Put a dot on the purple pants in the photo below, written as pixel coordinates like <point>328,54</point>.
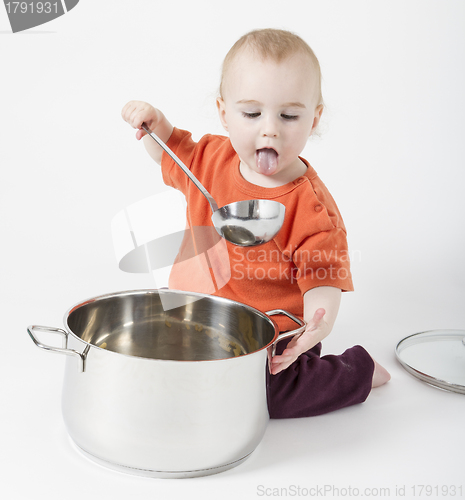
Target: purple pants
<point>314,385</point>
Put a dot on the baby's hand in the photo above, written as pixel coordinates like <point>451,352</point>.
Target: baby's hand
<point>138,112</point>
<point>315,330</point>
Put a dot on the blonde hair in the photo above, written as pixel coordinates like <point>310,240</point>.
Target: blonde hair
<point>274,44</point>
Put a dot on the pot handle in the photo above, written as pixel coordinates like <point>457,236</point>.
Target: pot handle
<point>62,350</point>
<point>293,333</point>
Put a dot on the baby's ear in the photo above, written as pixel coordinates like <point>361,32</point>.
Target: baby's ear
<point>317,117</point>
<point>222,112</point>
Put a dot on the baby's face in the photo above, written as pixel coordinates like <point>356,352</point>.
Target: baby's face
<point>270,110</point>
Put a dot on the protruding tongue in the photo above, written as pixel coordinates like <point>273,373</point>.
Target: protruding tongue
<point>267,161</point>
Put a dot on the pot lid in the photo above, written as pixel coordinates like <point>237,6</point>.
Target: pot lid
<point>436,357</point>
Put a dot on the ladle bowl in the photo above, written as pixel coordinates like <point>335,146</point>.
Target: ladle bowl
<point>243,223</point>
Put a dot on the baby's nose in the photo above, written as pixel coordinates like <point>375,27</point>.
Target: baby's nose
<point>270,127</point>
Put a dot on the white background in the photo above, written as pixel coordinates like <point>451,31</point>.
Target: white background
<point>391,152</point>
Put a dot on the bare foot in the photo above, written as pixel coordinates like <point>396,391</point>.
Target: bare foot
<point>380,375</point>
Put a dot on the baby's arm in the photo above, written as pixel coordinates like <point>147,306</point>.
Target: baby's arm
<point>138,112</point>
<point>321,306</point>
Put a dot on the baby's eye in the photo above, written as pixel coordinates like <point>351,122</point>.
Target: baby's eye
<point>251,115</point>
<point>289,117</point>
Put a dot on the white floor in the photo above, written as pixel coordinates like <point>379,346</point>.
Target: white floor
<point>406,436</point>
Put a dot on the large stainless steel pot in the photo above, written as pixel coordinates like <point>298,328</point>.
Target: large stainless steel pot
<point>166,383</point>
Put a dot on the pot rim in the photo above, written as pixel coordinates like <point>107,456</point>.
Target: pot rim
<point>156,290</point>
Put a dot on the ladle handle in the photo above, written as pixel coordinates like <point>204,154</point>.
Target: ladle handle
<point>189,174</point>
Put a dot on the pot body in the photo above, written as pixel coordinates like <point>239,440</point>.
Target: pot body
<point>174,383</point>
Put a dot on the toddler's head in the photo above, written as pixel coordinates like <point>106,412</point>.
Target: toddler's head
<point>275,45</point>
<point>270,103</point>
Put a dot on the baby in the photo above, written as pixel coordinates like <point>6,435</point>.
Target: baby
<point>270,104</point>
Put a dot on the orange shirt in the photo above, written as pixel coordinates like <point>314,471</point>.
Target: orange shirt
<point>309,251</point>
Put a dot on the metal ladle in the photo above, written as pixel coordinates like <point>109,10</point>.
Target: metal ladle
<point>243,223</point>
